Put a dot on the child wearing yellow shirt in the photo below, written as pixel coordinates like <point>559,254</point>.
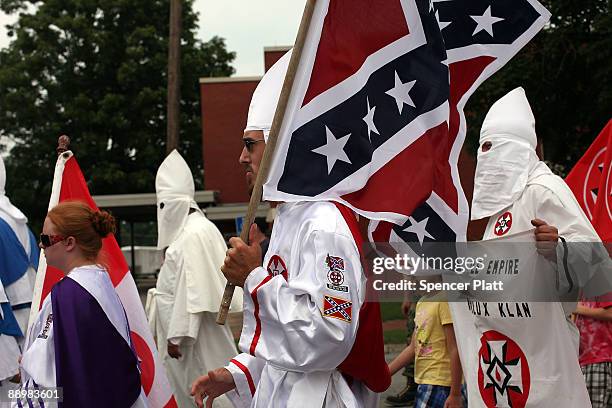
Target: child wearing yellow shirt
<point>437,368</point>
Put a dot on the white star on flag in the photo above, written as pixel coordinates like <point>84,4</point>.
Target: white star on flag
<point>401,93</point>
<point>419,228</point>
<point>369,120</point>
<point>485,22</point>
<point>333,150</point>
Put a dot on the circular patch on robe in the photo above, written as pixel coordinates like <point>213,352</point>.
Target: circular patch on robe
<point>335,277</point>
<point>504,379</point>
<point>503,224</point>
<point>276,266</point>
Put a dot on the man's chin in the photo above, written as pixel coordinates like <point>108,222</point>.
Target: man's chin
<point>250,182</point>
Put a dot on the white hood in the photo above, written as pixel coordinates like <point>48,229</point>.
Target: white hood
<point>266,96</point>
<point>503,171</point>
<point>175,196</point>
<point>11,214</point>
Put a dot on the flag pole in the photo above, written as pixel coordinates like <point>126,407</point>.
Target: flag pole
<point>266,160</point>
<point>63,144</point>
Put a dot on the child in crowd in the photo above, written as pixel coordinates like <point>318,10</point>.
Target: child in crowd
<point>437,368</point>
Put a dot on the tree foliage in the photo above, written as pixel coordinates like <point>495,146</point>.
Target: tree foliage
<point>566,73</point>
<point>96,70</point>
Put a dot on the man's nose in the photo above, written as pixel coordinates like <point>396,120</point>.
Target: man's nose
<point>244,156</point>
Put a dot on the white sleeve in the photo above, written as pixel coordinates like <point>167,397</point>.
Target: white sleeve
<point>38,361</point>
<point>246,371</point>
<point>582,261</point>
<point>308,323</point>
<point>183,326</point>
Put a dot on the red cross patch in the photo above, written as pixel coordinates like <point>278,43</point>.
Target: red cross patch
<point>503,224</point>
<point>276,266</point>
<point>337,308</point>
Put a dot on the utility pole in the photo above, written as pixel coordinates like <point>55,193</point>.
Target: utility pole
<point>174,75</point>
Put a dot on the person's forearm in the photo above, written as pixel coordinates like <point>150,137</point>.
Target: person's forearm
<point>456,372</point>
<point>403,359</point>
<point>598,313</point>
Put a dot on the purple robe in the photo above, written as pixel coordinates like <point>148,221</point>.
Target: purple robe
<point>94,364</point>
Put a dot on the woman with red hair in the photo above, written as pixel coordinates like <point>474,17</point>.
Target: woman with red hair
<point>80,340</point>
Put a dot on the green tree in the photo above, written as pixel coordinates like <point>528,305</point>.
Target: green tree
<point>566,73</point>
<point>96,71</point>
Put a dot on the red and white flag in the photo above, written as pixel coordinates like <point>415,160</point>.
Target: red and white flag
<point>591,182</point>
<point>69,184</point>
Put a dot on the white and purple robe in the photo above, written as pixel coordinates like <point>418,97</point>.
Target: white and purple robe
<point>80,342</point>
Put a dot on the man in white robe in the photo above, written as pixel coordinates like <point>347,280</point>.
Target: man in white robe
<point>519,192</point>
<point>184,304</point>
<point>18,262</point>
<point>308,338</point>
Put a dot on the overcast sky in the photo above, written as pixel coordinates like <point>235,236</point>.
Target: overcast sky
<point>247,26</point>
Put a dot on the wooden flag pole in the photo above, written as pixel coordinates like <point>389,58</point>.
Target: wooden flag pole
<point>266,160</point>
<point>63,145</point>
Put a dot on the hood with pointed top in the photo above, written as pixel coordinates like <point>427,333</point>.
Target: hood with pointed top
<point>8,211</point>
<point>503,171</point>
<point>175,191</point>
<point>266,96</point>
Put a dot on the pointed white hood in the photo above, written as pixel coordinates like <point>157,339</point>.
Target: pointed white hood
<point>266,96</point>
<point>503,171</point>
<point>175,196</point>
<point>11,214</point>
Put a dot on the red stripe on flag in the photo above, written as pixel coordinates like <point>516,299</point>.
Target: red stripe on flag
<point>247,373</point>
<point>256,313</point>
<point>352,30</point>
<point>423,161</point>
<point>463,75</point>
<point>382,233</point>
<point>74,187</point>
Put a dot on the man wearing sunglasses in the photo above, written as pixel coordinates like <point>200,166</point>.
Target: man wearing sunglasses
<point>303,306</point>
<point>18,264</point>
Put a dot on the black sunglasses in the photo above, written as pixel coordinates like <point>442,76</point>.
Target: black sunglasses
<point>249,143</point>
<point>47,240</point>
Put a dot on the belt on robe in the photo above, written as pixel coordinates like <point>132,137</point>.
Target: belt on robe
<point>22,306</point>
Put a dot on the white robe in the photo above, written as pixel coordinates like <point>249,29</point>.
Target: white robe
<point>9,352</point>
<point>38,360</point>
<point>21,290</point>
<point>18,292</point>
<point>290,349</point>
<point>548,339</point>
<point>183,307</point>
